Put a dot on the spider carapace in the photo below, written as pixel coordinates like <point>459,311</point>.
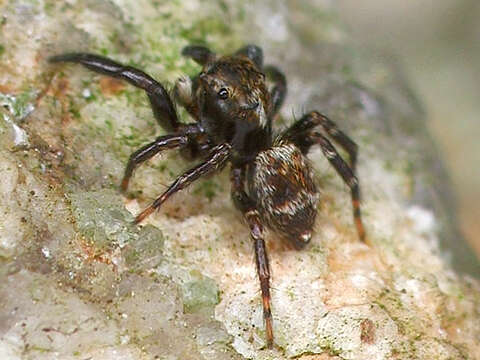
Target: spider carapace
<point>272,182</point>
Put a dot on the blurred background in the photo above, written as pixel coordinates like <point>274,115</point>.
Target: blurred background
<point>438,42</point>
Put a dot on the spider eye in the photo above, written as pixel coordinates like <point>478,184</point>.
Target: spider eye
<point>223,94</point>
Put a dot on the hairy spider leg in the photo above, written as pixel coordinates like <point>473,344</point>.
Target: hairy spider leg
<point>200,54</point>
<point>162,107</point>
<point>346,174</point>
<point>307,122</point>
<point>148,151</point>
<point>254,53</point>
<point>301,134</point>
<point>246,205</point>
<point>161,103</point>
<point>218,156</point>
<point>263,270</point>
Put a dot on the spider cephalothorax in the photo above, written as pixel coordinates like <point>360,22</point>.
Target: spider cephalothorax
<point>231,102</point>
<point>233,110</point>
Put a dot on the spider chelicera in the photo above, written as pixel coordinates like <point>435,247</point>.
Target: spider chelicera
<point>233,110</point>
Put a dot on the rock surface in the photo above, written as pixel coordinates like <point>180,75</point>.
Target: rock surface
<point>79,281</point>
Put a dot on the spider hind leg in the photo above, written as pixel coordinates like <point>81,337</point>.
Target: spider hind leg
<point>302,133</point>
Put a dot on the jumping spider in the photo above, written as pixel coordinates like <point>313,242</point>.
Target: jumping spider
<point>233,110</point>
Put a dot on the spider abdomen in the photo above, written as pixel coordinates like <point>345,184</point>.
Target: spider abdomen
<point>282,184</point>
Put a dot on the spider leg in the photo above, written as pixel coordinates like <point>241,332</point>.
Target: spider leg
<point>302,135</point>
<point>246,205</point>
<point>347,174</point>
<point>297,131</point>
<point>279,90</point>
<point>218,156</point>
<point>200,54</point>
<point>161,103</point>
<point>253,52</point>
<point>148,151</point>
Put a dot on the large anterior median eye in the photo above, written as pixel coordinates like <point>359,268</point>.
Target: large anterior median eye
<point>223,94</point>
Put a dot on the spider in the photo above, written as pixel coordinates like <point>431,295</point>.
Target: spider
<point>272,181</point>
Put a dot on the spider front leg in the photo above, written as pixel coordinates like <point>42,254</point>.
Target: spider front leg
<point>253,52</point>
<point>160,101</point>
<point>148,151</point>
<point>246,205</point>
<point>218,156</point>
<point>346,173</point>
<point>200,54</point>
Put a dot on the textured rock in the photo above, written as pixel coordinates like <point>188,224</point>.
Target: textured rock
<point>78,280</point>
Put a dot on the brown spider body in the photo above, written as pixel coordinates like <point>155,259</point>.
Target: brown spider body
<point>233,111</point>
<point>279,179</point>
